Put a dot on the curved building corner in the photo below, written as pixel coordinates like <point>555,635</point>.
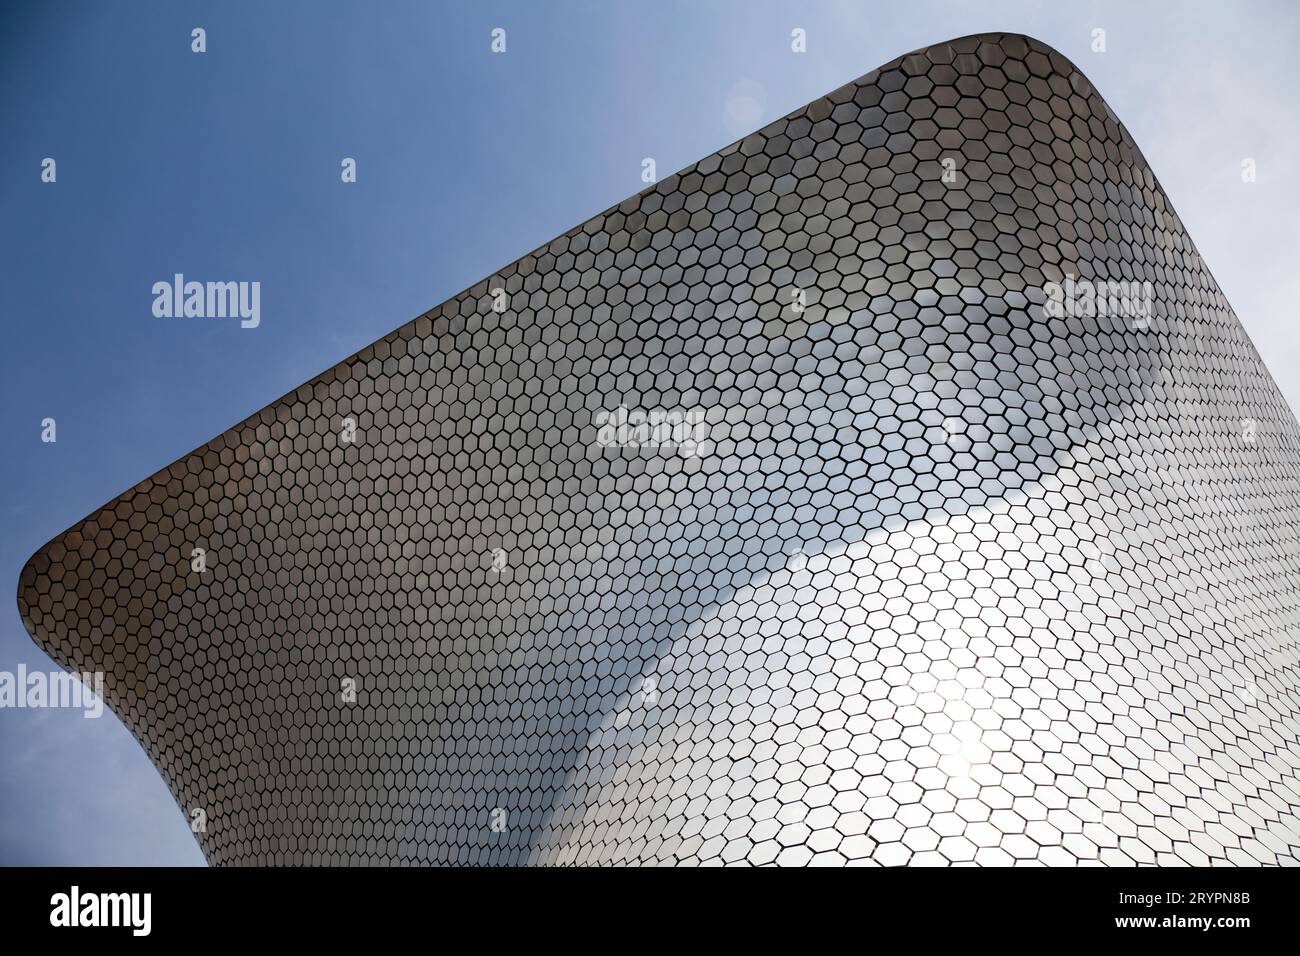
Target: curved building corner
<point>893,486</point>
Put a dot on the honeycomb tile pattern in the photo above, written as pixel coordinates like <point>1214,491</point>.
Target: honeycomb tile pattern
<point>904,570</point>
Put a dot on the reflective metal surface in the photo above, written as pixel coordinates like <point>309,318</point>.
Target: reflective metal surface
<point>768,517</point>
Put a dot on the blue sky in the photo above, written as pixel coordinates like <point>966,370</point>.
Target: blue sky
<point>226,166</point>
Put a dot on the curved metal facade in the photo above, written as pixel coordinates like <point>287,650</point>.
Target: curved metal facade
<point>777,514</point>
